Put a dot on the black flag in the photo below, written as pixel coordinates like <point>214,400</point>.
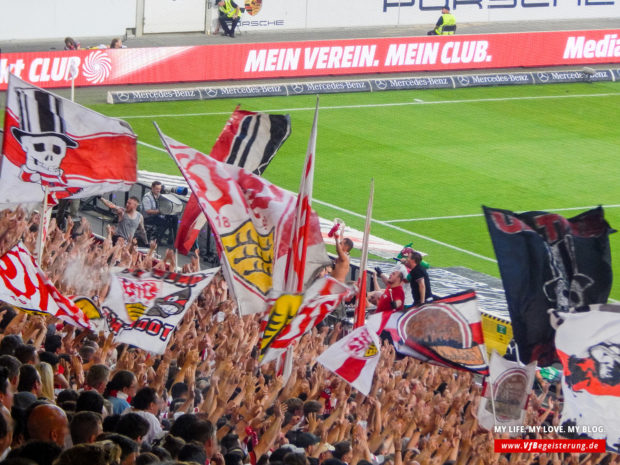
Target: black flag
<point>549,262</point>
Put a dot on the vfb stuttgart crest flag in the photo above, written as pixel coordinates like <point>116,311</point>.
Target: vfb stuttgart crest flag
<point>52,144</point>
<point>253,221</point>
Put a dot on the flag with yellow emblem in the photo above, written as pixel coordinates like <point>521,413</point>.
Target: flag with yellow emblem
<point>252,220</point>
<point>293,315</point>
<point>143,308</point>
<point>354,358</point>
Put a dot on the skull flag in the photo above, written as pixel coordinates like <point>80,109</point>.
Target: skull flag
<point>588,344</point>
<point>53,144</point>
<point>548,262</point>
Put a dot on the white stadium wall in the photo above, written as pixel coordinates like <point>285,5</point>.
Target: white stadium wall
<point>51,19</point>
<point>46,19</point>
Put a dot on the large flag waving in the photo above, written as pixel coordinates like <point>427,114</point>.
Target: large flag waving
<point>354,358</point>
<point>505,393</point>
<point>249,140</point>
<point>252,219</point>
<point>24,285</point>
<point>445,332</point>
<point>548,262</point>
<point>589,348</point>
<point>53,144</point>
<point>143,308</point>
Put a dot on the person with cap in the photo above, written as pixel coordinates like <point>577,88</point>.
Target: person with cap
<point>446,24</point>
<point>418,279</point>
<point>393,298</point>
<point>228,11</point>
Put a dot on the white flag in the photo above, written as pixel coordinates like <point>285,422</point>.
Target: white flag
<point>354,358</point>
<point>505,396</point>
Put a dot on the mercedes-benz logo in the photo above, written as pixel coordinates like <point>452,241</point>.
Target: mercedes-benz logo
<point>463,80</point>
<point>297,88</point>
<point>381,84</point>
<point>122,96</point>
<point>211,92</point>
<point>543,77</point>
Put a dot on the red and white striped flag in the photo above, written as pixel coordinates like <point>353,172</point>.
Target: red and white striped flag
<point>354,358</point>
<point>24,285</point>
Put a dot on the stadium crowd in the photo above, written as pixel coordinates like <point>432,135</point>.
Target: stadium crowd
<point>75,397</point>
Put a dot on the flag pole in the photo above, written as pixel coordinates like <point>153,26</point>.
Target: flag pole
<point>299,236</point>
<point>360,310</point>
<point>42,220</point>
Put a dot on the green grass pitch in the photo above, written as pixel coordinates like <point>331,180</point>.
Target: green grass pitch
<point>432,153</point>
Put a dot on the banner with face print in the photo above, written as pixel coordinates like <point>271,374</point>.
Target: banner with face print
<point>144,307</point>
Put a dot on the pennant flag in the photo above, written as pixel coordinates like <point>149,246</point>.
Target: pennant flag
<point>52,143</point>
<point>252,219</point>
<point>588,345</point>
<point>293,315</point>
<point>296,261</point>
<point>549,262</point>
<point>25,286</point>
<point>506,392</point>
<point>143,308</point>
<point>360,310</point>
<point>249,140</point>
<point>446,332</point>
<point>354,358</point>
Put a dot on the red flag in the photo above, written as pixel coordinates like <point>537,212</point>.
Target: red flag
<point>192,222</point>
<point>51,142</point>
<point>24,285</point>
<point>249,140</point>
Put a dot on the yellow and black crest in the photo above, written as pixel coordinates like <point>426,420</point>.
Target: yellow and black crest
<point>88,307</point>
<point>371,351</point>
<point>281,314</point>
<point>252,7</point>
<point>250,255</point>
<point>135,310</point>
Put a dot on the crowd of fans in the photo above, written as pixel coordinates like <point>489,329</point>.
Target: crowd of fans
<point>75,397</point>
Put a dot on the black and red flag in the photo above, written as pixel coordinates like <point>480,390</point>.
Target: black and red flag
<point>549,264</point>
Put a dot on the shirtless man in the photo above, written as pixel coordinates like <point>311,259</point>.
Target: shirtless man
<point>341,268</point>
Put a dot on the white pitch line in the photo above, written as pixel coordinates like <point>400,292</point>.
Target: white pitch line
<point>475,215</point>
<point>376,105</point>
<point>397,228</point>
<point>152,146</point>
<point>382,223</point>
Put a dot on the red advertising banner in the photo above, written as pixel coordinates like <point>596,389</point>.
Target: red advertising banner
<point>311,58</point>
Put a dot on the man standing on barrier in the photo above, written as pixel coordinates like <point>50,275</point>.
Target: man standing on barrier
<point>154,217</point>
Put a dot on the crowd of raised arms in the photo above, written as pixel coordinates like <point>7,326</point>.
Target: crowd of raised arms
<point>72,396</point>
